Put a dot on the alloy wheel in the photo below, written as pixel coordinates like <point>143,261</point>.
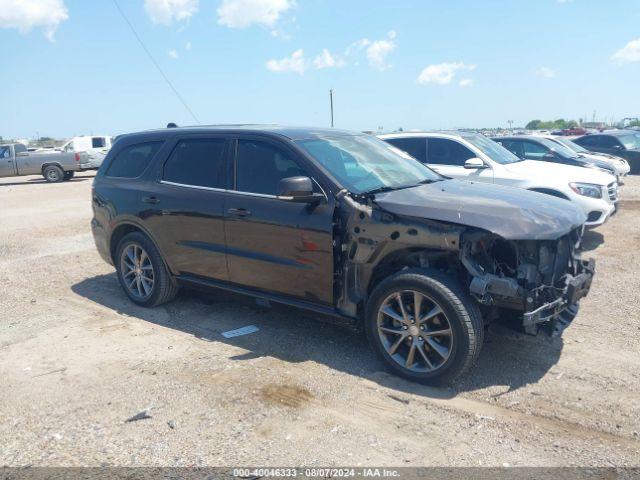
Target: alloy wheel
<point>415,331</point>
<point>137,271</point>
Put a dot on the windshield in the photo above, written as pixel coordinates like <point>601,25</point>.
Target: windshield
<point>630,142</point>
<point>364,163</point>
<point>493,150</point>
<point>571,145</point>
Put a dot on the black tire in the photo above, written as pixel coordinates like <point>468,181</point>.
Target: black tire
<point>460,311</point>
<point>68,176</point>
<point>164,287</point>
<point>53,174</point>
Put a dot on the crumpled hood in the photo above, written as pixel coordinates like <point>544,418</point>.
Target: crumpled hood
<point>565,173</point>
<point>512,213</point>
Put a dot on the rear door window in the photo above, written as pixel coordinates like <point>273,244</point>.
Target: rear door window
<point>98,142</point>
<point>416,147</point>
<point>197,162</point>
<point>443,151</point>
<point>133,160</point>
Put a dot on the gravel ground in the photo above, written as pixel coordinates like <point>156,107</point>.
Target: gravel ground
<point>77,359</point>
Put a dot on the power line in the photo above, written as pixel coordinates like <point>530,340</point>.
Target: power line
<point>153,60</point>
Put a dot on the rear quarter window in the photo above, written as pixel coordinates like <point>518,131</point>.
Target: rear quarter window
<point>131,161</point>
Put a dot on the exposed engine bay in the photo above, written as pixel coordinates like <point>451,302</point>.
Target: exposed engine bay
<point>538,278</point>
<point>541,278</point>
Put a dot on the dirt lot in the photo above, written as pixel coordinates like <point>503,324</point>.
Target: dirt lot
<point>77,359</point>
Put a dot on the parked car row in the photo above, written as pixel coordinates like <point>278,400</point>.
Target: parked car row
<point>548,149</point>
<point>372,234</point>
<point>471,156</point>
<point>619,143</point>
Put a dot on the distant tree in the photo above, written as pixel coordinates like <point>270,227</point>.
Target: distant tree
<point>634,123</point>
<point>558,124</point>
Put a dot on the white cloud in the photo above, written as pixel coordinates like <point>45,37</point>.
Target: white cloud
<point>295,63</point>
<point>24,15</point>
<point>166,11</point>
<point>466,82</point>
<point>326,60</point>
<point>357,46</point>
<point>628,54</point>
<point>173,54</point>
<point>187,46</point>
<point>545,72</point>
<point>244,13</point>
<point>378,51</point>
<point>442,73</point>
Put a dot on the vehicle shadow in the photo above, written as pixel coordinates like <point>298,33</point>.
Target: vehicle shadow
<point>509,358</point>
<point>35,181</point>
<point>591,240</point>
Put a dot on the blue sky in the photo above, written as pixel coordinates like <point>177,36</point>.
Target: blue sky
<point>74,67</point>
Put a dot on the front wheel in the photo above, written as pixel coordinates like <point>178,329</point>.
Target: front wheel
<point>424,326</point>
<point>142,273</point>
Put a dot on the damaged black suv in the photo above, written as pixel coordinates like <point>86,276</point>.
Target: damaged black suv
<point>341,224</point>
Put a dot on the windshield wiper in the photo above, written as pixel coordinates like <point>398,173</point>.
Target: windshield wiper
<point>401,187</point>
<point>381,190</point>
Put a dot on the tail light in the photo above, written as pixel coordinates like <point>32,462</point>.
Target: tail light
<point>77,157</point>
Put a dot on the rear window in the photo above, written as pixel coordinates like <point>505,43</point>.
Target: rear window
<point>132,160</point>
<point>19,148</point>
<point>197,162</point>
<point>98,142</point>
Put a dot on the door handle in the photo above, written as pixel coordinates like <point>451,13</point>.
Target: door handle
<point>151,200</point>
<point>239,212</point>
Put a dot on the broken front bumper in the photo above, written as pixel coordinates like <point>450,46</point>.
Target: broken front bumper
<point>560,312</point>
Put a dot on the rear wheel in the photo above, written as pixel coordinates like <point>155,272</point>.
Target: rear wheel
<point>53,174</point>
<point>68,176</point>
<point>142,273</point>
<point>424,326</point>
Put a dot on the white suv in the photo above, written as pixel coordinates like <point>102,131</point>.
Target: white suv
<point>470,156</point>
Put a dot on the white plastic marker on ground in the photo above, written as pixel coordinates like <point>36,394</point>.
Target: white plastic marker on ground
<point>240,331</point>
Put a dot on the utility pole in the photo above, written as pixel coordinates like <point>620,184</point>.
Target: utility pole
<point>510,122</point>
<point>331,102</point>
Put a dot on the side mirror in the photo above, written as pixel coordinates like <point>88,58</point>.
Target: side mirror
<point>475,164</point>
<point>22,154</point>
<point>617,148</point>
<point>298,190</point>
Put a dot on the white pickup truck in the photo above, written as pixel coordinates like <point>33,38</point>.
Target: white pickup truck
<point>54,166</point>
